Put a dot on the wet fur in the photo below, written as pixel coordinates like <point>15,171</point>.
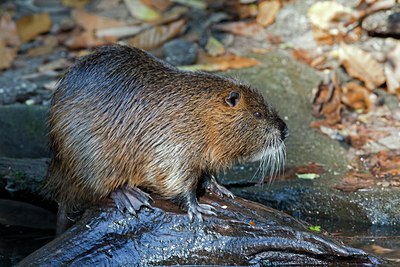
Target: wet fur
<point>120,116</point>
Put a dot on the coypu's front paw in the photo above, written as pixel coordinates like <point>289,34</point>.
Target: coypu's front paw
<point>197,209</point>
<point>130,199</point>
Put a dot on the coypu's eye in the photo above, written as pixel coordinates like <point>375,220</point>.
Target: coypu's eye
<point>258,115</point>
<point>233,98</point>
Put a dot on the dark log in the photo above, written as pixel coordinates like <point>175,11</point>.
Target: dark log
<point>243,233</point>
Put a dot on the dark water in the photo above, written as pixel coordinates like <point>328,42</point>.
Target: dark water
<point>382,241</point>
<point>17,242</point>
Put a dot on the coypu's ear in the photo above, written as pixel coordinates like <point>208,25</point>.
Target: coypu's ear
<point>233,99</point>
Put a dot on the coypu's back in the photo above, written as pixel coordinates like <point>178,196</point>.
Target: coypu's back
<point>120,117</point>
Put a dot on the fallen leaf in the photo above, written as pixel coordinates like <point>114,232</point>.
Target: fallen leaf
<point>7,56</point>
<point>312,167</point>
<point>160,5</point>
<point>59,64</point>
<point>199,4</point>
<point>392,70</point>
<point>243,28</point>
<point>92,22</point>
<point>267,12</point>
<point>392,82</point>
<point>49,43</point>
<point>154,37</point>
<point>328,14</point>
<point>121,32</point>
<point>310,58</point>
<point>74,3</point>
<point>246,10</point>
<point>329,21</point>
<point>8,31</point>
<point>315,228</point>
<point>355,180</point>
<point>88,39</point>
<point>171,15</point>
<point>221,63</point>
<point>356,97</point>
<point>361,65</point>
<point>381,250</point>
<point>29,27</point>
<point>214,47</point>
<point>141,11</point>
<point>327,101</point>
<point>307,176</point>
<point>106,4</point>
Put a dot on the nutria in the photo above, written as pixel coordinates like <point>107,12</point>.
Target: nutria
<point>121,119</point>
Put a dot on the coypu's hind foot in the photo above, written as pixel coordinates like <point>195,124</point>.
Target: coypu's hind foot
<point>197,209</point>
<point>130,199</point>
<point>213,186</point>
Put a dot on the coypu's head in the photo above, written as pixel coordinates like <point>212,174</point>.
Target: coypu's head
<point>246,128</point>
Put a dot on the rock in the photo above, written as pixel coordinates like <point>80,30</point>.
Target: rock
<point>287,84</point>
<point>23,131</point>
<point>383,23</point>
<point>243,233</point>
<point>180,52</point>
<point>14,89</point>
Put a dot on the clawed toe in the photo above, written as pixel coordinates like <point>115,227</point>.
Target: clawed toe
<point>218,189</point>
<point>199,209</point>
<point>130,199</point>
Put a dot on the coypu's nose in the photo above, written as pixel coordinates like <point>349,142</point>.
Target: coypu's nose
<point>283,129</point>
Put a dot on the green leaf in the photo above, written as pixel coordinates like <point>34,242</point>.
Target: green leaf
<point>315,228</point>
<point>308,176</point>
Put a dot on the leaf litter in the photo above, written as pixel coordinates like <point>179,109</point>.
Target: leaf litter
<point>350,105</point>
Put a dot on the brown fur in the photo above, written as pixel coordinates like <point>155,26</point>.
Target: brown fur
<point>122,117</point>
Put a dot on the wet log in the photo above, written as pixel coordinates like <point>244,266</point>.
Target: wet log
<point>243,233</point>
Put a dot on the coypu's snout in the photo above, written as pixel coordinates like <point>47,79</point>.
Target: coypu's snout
<point>283,129</point>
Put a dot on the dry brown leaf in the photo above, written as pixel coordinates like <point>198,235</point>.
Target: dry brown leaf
<point>160,5</point>
<point>7,56</point>
<point>88,39</point>
<point>354,181</point>
<point>267,12</point>
<point>392,71</point>
<point>92,22</point>
<point>59,64</point>
<point>246,10</point>
<point>8,31</point>
<point>243,28</point>
<point>221,63</point>
<point>156,36</point>
<point>381,250</point>
<point>361,65</point>
<point>329,37</point>
<point>327,101</point>
<point>29,27</point>
<point>357,97</point>
<point>49,43</point>
<point>310,58</point>
<point>329,20</point>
